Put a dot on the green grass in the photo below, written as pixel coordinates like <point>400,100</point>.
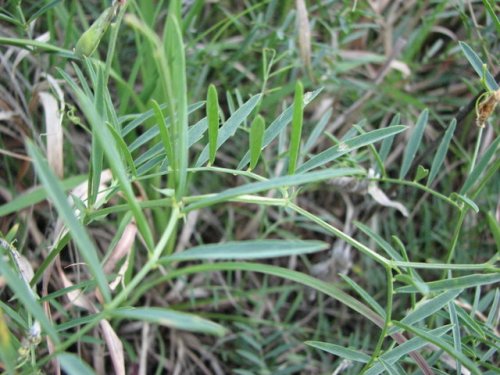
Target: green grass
<point>228,201</point>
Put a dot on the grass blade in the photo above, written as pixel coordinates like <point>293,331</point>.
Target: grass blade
<point>317,131</point>
<point>480,167</point>
<point>36,195</point>
<point>389,368</point>
<point>297,120</point>
<point>414,344</point>
<point>324,287</point>
<point>477,64</point>
<point>8,354</point>
<point>109,147</point>
<point>273,184</point>
<point>259,249</point>
<point>213,122</point>
<point>164,135</point>
<point>413,143</point>
<point>340,351</point>
<point>386,246</point>
<point>24,294</point>
<point>122,146</point>
<point>171,319</point>
<point>365,295</point>
<point>441,344</point>
<point>349,145</point>
<point>430,307</point>
<point>493,225</point>
<point>139,119</point>
<point>385,148</point>
<point>463,282</point>
<point>72,364</point>
<point>256,138</point>
<point>174,50</point>
<point>327,288</point>
<point>79,234</point>
<point>441,152</point>
<point>491,11</point>
<point>457,342</point>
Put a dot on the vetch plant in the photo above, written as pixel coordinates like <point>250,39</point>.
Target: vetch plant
<point>151,174</point>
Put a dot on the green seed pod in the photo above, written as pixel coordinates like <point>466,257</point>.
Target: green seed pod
<point>90,39</point>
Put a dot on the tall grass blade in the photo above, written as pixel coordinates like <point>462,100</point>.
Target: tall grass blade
<point>152,132</point>
<point>492,320</point>
<point>391,369</point>
<point>349,145</point>
<point>72,364</point>
<point>457,341</point>
<point>258,249</point>
<point>23,292</point>
<point>138,119</point>
<point>442,344</point>
<point>195,133</point>
<point>340,351</point>
<point>441,152</point>
<point>278,182</point>
<point>327,288</point>
<point>413,143</point>
<point>386,145</point>
<point>395,354</point>
<point>110,150</point>
<point>165,136</point>
<point>431,306</point>
<point>386,246</point>
<point>296,135</point>
<point>489,5</point>
<point>462,282</point>
<point>480,167</point>
<point>97,154</point>
<point>43,10</point>
<point>365,295</point>
<point>8,354</point>
<point>122,147</point>
<point>256,139</point>
<point>170,318</point>
<point>213,122</point>
<point>317,131</point>
<point>492,224</point>
<point>174,50</point>
<point>477,64</point>
<point>36,195</point>
<point>78,232</point>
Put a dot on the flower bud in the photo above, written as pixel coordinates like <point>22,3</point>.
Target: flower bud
<point>90,39</point>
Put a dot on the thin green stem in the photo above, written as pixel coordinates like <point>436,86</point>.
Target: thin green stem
<point>245,173</point>
<point>72,339</point>
<point>150,264</point>
<point>456,235</point>
<point>463,211</point>
<point>487,267</point>
<point>124,294</point>
<point>235,172</point>
<point>416,185</point>
<point>25,43</point>
<point>476,149</point>
<point>387,322</point>
<point>338,233</point>
<point>112,44</point>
